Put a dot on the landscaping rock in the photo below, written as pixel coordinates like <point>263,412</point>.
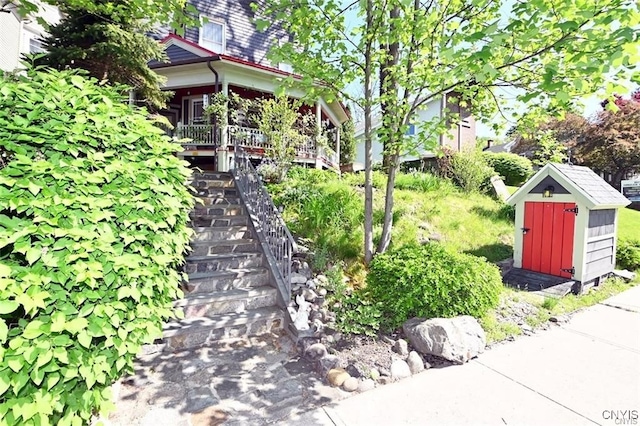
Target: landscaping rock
<point>308,294</point>
<point>456,339</point>
<point>401,347</point>
<point>384,372</point>
<point>384,380</point>
<point>322,292</point>
<point>400,370</point>
<point>315,351</point>
<point>337,377</point>
<point>311,284</point>
<point>415,362</point>
<point>322,280</point>
<point>354,371</point>
<point>327,363</point>
<point>350,385</point>
<point>297,278</point>
<point>366,384</point>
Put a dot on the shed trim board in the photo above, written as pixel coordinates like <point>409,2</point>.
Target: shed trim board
<point>593,251</point>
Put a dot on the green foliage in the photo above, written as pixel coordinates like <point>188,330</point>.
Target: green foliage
<point>355,313</point>
<point>424,182</point>
<point>467,170</point>
<point>329,214</point>
<point>628,254</point>
<point>378,179</point>
<point>309,175</point>
<point>431,281</point>
<point>102,43</point>
<point>513,168</point>
<point>93,226</point>
<point>347,142</point>
<point>278,121</point>
<point>548,150</point>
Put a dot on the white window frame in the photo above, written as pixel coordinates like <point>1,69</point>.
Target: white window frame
<point>202,42</point>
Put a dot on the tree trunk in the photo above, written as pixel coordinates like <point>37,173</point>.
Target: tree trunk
<point>389,85</point>
<point>387,226</point>
<point>368,167</point>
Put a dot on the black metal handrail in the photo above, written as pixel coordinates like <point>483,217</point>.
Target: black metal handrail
<point>266,218</point>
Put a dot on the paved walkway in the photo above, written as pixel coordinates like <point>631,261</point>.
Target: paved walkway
<point>585,372</point>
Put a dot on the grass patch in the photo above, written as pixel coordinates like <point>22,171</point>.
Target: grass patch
<point>629,224</point>
<point>610,287</point>
<point>498,328</point>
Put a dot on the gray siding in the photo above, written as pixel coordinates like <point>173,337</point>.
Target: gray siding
<point>549,181</point>
<point>242,39</point>
<point>600,258</point>
<point>602,222</point>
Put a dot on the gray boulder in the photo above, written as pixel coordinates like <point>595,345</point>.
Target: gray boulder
<point>415,362</point>
<point>456,339</point>
<point>400,370</point>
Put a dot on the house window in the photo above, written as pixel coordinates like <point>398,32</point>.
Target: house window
<point>212,36</point>
<point>411,130</point>
<point>285,67</point>
<point>35,46</point>
<point>197,111</point>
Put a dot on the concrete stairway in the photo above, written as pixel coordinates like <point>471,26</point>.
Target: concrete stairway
<point>229,293</point>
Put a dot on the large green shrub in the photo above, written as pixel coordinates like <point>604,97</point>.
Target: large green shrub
<point>467,170</point>
<point>513,168</point>
<point>93,226</point>
<point>431,281</point>
<point>628,254</point>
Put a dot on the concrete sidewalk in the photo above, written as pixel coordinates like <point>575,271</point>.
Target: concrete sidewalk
<point>584,372</point>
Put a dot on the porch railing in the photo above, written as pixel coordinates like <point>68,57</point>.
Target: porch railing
<point>268,223</point>
<point>200,134</point>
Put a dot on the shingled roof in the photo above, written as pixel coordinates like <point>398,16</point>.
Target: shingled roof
<point>580,181</point>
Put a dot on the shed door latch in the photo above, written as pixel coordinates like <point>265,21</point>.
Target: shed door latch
<point>571,270</point>
<point>573,210</point>
<point>525,230</point>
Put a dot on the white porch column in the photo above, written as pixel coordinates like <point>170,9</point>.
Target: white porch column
<point>338,134</point>
<point>318,130</point>
<point>223,156</point>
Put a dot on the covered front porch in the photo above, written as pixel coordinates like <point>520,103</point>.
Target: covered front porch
<point>211,143</point>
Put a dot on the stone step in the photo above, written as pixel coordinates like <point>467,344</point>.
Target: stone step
<point>195,332</point>
<point>230,301</point>
<point>218,201</point>
<point>218,221</point>
<point>216,192</point>
<point>204,282</point>
<point>219,210</point>
<point>219,262</point>
<point>208,247</point>
<point>200,183</point>
<point>212,176</point>
<point>208,233</point>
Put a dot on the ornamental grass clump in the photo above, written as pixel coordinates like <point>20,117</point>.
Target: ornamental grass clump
<point>431,281</point>
<point>93,226</point>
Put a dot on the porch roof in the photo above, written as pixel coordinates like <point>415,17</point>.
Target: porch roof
<point>181,51</point>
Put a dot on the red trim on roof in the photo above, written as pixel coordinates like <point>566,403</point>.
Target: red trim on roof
<point>242,62</point>
<point>190,43</point>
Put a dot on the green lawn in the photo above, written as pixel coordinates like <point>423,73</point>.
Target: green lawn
<point>629,224</point>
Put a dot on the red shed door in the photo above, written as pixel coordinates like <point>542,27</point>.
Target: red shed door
<point>548,238</point>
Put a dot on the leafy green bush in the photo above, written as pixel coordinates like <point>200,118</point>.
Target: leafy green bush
<point>628,254</point>
<point>467,170</point>
<point>93,226</point>
<point>310,176</point>
<point>424,182</point>
<point>513,168</point>
<point>355,313</point>
<point>378,179</point>
<point>431,281</point>
<point>329,214</point>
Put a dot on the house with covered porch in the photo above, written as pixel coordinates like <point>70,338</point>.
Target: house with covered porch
<point>227,55</point>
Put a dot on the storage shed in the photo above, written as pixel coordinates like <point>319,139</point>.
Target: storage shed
<point>566,223</point>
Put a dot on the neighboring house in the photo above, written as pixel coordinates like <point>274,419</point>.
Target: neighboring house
<point>20,36</point>
<point>505,147</point>
<point>462,135</point>
<point>227,54</point>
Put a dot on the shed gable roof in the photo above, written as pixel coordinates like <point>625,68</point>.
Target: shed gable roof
<point>580,181</point>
